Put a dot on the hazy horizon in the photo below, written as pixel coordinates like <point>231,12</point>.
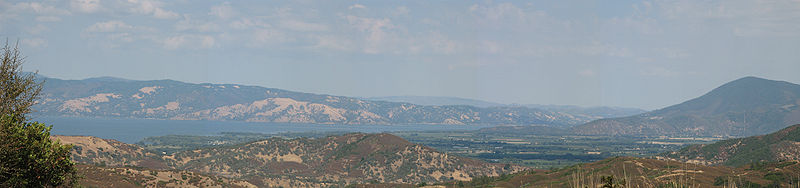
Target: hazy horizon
<point>368,97</point>
<point>641,54</point>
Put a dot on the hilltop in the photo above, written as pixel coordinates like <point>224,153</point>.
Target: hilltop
<point>332,160</point>
<point>783,145</point>
<point>744,107</point>
<point>107,152</point>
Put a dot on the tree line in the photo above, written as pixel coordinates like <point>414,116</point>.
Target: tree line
<point>28,157</point>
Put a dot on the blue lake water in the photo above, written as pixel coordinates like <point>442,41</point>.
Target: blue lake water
<point>133,130</point>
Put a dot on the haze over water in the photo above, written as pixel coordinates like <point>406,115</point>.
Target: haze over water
<point>134,130</point>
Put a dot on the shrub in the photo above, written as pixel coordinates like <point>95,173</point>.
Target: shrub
<point>28,158</point>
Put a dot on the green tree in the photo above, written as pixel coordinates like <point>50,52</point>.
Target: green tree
<point>18,90</point>
<point>28,157</point>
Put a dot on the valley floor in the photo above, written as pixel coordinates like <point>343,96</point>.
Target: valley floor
<point>299,160</point>
<point>628,171</point>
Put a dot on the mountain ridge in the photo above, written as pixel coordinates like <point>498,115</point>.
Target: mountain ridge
<point>743,107</point>
<point>593,111</point>
<point>436,100</point>
<point>169,99</point>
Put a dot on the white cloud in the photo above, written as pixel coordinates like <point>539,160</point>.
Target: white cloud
<point>189,41</point>
<point>114,33</point>
<point>643,25</point>
<point>202,26</point>
<point>282,12</point>
<point>263,37</point>
<point>303,26</point>
<point>499,12</point>
<point>509,19</point>
<point>39,8</point>
<point>374,30</point>
<point>441,44</point>
<point>224,11</point>
<point>87,6</point>
<point>246,23</point>
<point>174,42</point>
<point>760,18</point>
<point>381,35</point>
<point>401,11</point>
<point>109,26</point>
<point>207,42</point>
<point>333,43</point>
<point>151,7</point>
<point>34,42</point>
<point>47,19</point>
<point>37,29</point>
<point>125,37</point>
<point>369,24</point>
<point>357,6</point>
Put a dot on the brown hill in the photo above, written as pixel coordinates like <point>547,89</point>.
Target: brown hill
<point>348,158</point>
<point>640,172</point>
<point>329,161</point>
<point>783,145</point>
<point>95,176</point>
<point>107,152</point>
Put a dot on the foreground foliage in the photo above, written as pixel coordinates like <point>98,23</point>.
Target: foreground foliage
<point>28,158</point>
<point>18,90</point>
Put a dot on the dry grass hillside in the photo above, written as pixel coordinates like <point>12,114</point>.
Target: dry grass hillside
<point>329,161</point>
<point>783,145</point>
<point>352,158</point>
<point>95,176</point>
<point>640,172</point>
<point>106,152</point>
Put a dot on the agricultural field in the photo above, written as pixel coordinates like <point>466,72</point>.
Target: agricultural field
<point>542,151</point>
<point>546,151</point>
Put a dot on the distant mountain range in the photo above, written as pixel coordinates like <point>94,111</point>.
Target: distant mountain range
<point>596,112</point>
<point>744,107</point>
<point>783,145</point>
<point>436,101</point>
<point>169,99</point>
<point>302,162</point>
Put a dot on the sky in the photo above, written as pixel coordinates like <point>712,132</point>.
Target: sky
<point>643,54</point>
